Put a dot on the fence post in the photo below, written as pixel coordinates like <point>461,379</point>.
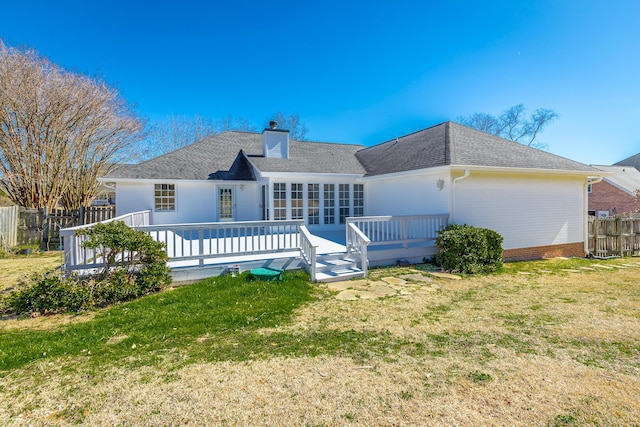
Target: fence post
<point>620,238</point>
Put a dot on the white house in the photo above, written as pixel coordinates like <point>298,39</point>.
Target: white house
<point>536,200</point>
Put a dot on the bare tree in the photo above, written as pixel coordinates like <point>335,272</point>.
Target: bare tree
<point>513,124</point>
<point>58,131</point>
<point>175,132</point>
<point>297,129</point>
<point>238,124</point>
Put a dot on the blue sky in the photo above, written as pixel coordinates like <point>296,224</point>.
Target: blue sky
<point>359,72</point>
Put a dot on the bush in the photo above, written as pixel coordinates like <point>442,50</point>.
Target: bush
<point>130,256</point>
<point>142,271</point>
<point>468,250</point>
<point>50,294</point>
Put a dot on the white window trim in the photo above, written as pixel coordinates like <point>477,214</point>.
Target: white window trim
<point>175,199</point>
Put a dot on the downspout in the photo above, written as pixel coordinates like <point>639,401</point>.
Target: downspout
<point>585,211</point>
<point>467,172</point>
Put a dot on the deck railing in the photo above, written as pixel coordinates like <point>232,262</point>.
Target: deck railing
<point>357,244</point>
<point>214,240</point>
<point>77,257</point>
<point>403,230</point>
<point>201,241</point>
<point>308,251</point>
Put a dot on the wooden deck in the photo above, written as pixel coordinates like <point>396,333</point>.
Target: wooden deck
<point>203,250</point>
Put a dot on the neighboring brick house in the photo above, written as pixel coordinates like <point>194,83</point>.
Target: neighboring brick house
<point>617,193</point>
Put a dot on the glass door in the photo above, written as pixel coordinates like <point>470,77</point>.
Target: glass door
<point>225,204</point>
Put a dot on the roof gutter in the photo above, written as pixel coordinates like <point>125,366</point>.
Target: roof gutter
<point>498,169</point>
<point>467,172</point>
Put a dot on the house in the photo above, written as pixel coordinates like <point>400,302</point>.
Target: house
<point>617,194</point>
<point>535,199</point>
<point>633,161</point>
<point>106,191</point>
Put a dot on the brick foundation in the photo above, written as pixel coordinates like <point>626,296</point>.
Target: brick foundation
<point>541,252</point>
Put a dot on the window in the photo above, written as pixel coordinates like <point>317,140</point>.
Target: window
<point>329,204</point>
<point>165,197</point>
<point>280,201</point>
<point>589,188</point>
<point>313,197</point>
<point>343,193</point>
<point>297,210</point>
<point>358,200</point>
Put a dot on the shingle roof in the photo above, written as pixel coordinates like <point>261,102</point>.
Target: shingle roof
<point>626,178</point>
<point>630,161</point>
<point>314,157</point>
<point>452,144</point>
<point>217,157</point>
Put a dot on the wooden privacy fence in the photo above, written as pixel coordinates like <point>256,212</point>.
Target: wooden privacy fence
<point>614,236</point>
<point>8,227</point>
<point>42,226</point>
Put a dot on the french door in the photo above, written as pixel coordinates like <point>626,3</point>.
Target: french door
<point>225,204</point>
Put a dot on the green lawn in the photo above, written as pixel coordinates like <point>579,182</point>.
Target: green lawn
<point>224,312</point>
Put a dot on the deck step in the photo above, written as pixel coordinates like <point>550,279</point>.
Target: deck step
<point>336,267</point>
<point>337,276</point>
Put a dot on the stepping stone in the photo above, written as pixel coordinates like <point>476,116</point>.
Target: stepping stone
<point>340,286</point>
<point>405,293</point>
<point>445,275</point>
<point>381,291</point>
<point>587,268</point>
<point>621,266</point>
<point>569,270</point>
<point>545,271</point>
<point>394,280</point>
<point>606,267</point>
<point>349,284</point>
<point>526,273</point>
<point>630,265</point>
<point>416,277</point>
<point>352,295</point>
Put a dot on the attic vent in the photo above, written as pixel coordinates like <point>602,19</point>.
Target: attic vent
<point>273,124</point>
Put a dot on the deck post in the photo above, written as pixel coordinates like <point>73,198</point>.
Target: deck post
<point>201,246</point>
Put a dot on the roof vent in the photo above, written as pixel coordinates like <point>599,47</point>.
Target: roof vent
<point>273,124</point>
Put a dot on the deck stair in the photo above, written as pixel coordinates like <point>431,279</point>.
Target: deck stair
<point>336,267</point>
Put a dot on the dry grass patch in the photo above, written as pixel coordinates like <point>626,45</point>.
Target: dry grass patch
<point>44,323</point>
<point>331,391</point>
<point>17,267</point>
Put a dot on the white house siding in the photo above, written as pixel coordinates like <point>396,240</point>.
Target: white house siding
<point>415,194</point>
<point>527,210</point>
<point>196,201</point>
<point>247,200</point>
